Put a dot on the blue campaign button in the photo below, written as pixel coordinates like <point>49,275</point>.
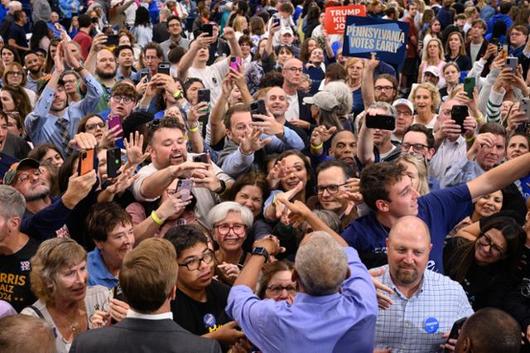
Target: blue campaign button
<point>209,320</point>
<point>431,325</point>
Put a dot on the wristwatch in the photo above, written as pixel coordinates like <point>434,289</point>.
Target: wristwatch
<point>261,251</point>
<point>79,68</point>
<point>222,188</point>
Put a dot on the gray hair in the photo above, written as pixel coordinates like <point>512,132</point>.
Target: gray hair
<point>342,92</point>
<point>390,110</point>
<point>321,264</point>
<point>12,203</point>
<point>220,211</point>
<point>330,218</point>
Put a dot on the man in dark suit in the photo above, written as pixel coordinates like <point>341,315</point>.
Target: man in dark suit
<point>148,326</point>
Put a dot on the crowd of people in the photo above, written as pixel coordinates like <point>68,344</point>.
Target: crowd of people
<point>218,176</point>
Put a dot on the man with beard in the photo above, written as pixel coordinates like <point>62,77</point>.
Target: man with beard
<point>45,216</point>
<point>384,89</point>
<point>33,64</point>
<point>425,304</point>
<point>54,120</point>
<point>389,192</point>
<point>167,143</point>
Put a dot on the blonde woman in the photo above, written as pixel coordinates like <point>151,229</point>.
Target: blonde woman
<point>433,56</point>
<point>354,69</point>
<point>426,99</point>
<point>416,169</point>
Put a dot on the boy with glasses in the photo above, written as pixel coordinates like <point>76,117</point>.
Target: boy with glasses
<point>200,300</point>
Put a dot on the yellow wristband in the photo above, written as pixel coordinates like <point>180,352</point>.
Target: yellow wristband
<point>194,129</point>
<point>156,219</point>
<point>317,147</point>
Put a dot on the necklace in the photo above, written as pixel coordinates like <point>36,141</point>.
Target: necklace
<point>72,324</point>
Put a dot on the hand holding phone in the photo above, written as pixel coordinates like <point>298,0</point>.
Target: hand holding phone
<point>258,107</point>
<point>113,162</point>
<point>381,122</point>
<point>184,188</point>
<point>469,86</point>
<point>459,113</point>
<point>87,162</point>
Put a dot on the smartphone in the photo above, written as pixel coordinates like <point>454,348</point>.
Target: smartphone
<point>115,120</point>
<point>201,158</point>
<point>87,162</point>
<point>459,114</point>
<point>525,107</point>
<point>163,68</point>
<point>454,330</point>
<point>235,63</point>
<point>203,95</point>
<point>258,107</point>
<point>382,122</point>
<point>512,62</point>
<point>469,86</point>
<point>184,188</point>
<point>112,40</point>
<point>145,72</point>
<point>113,162</point>
<point>208,28</point>
<point>275,21</point>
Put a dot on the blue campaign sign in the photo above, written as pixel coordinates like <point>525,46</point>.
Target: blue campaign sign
<point>366,35</point>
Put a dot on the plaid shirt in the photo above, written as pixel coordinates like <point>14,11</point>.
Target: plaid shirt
<point>416,324</point>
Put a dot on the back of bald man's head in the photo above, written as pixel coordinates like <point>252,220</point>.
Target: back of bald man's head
<point>410,225</point>
<point>491,331</point>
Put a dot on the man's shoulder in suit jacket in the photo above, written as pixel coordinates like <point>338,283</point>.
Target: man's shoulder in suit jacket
<point>140,335</point>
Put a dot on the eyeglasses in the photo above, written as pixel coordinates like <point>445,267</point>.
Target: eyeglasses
<point>404,113</point>
<point>384,88</point>
<point>416,147</point>
<point>485,240</point>
<point>89,127</point>
<point>194,263</point>
<point>122,99</point>
<point>295,69</point>
<point>331,188</point>
<point>278,289</point>
<point>23,177</point>
<point>14,73</point>
<point>237,228</point>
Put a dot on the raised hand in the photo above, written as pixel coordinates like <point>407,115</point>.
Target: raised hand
<point>134,147</point>
<point>252,142</point>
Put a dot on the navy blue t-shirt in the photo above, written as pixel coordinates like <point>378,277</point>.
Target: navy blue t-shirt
<point>441,210</point>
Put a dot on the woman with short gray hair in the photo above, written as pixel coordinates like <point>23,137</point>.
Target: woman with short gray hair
<point>229,222</point>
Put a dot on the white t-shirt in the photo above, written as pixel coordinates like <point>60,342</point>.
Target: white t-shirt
<point>293,112</point>
<point>212,77</point>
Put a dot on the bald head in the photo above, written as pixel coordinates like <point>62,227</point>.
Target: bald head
<point>408,249</point>
<point>410,227</point>
<point>489,330</point>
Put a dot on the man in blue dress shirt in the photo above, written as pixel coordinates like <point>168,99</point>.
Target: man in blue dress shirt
<point>335,307</point>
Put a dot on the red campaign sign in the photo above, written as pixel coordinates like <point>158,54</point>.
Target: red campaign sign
<point>335,17</point>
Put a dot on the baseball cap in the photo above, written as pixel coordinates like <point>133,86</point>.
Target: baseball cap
<point>433,70</point>
<point>323,100</point>
<point>286,30</point>
<point>11,174</point>
<point>405,102</point>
